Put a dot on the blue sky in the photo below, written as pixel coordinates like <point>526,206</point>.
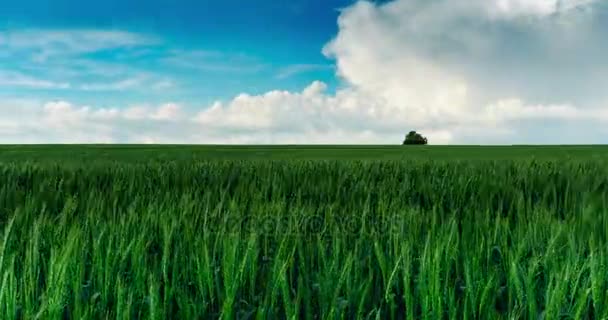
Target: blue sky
<point>226,47</point>
<point>303,71</point>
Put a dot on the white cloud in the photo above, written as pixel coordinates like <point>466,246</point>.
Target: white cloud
<point>165,112</point>
<point>57,59</point>
<point>295,69</point>
<point>137,82</point>
<point>135,113</point>
<point>17,79</point>
<point>163,84</point>
<point>450,65</point>
<point>49,43</point>
<point>63,122</point>
<point>311,116</point>
<point>168,111</point>
<point>538,8</point>
<point>120,85</point>
<point>65,54</point>
<point>212,61</point>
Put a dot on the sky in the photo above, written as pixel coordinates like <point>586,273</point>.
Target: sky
<point>304,71</point>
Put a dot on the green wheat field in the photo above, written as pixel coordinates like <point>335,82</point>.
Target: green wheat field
<point>303,232</point>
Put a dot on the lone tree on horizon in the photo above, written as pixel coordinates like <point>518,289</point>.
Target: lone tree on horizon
<point>414,138</point>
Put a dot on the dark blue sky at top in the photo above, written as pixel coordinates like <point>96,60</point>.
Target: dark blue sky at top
<point>278,29</point>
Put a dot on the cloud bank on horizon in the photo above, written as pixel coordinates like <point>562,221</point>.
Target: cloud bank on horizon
<point>472,72</point>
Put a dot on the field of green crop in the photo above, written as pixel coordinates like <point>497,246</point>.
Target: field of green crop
<point>184,232</point>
